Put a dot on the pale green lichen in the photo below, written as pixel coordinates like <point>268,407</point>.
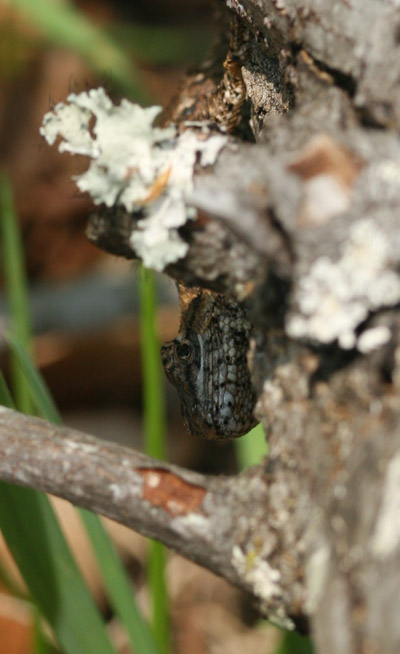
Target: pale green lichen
<point>134,165</point>
<point>263,579</point>
<point>334,296</point>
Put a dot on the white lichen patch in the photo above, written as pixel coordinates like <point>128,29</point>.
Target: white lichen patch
<point>119,492</point>
<point>334,297</point>
<point>389,170</point>
<point>262,578</point>
<point>386,537</point>
<point>316,571</point>
<point>191,523</point>
<point>280,618</point>
<point>157,241</point>
<point>86,448</point>
<point>373,338</point>
<point>134,165</point>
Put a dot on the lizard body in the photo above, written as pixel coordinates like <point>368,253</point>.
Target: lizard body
<point>207,363</point>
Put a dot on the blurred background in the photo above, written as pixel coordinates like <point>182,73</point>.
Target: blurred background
<point>85,304</point>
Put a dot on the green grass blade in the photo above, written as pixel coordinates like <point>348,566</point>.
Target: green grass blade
<point>27,519</point>
<point>40,643</point>
<point>16,287</point>
<point>116,580</point>
<point>294,643</point>
<point>40,551</point>
<point>12,586</point>
<point>153,396</point>
<point>5,578</point>
<point>251,448</point>
<point>67,27</point>
<point>5,395</point>
<point>34,543</point>
<point>37,389</point>
<point>154,430</point>
<point>159,595</point>
<point>119,587</point>
<point>6,398</point>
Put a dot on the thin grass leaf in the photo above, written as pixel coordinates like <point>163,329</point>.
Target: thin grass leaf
<point>40,551</point>
<point>119,586</point>
<point>153,396</point>
<point>115,577</point>
<point>154,431</point>
<point>16,287</point>
<point>159,594</point>
<point>5,395</point>
<point>40,642</point>
<point>11,585</point>
<point>251,448</point>
<point>294,643</point>
<point>37,389</point>
<point>66,26</point>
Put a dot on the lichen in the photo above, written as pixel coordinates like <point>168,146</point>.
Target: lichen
<point>386,537</point>
<point>373,338</point>
<point>316,571</point>
<point>334,296</point>
<point>135,165</point>
<point>262,578</point>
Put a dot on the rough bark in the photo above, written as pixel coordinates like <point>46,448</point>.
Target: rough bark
<point>307,223</point>
<point>302,227</point>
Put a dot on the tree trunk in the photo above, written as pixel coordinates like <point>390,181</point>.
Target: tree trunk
<point>304,225</point>
<point>301,227</point>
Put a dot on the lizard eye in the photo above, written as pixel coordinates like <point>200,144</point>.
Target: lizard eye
<point>184,351</point>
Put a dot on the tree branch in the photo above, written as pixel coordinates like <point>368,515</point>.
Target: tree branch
<point>209,520</point>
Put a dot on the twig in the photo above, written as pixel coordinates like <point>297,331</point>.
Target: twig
<point>204,518</point>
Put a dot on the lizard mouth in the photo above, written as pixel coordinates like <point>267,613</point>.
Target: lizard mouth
<point>167,359</point>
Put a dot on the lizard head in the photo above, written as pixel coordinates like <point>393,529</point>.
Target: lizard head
<point>207,363</point>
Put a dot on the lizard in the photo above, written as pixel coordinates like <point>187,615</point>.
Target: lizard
<point>207,362</point>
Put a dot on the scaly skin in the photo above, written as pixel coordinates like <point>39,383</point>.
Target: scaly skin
<point>207,363</point>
